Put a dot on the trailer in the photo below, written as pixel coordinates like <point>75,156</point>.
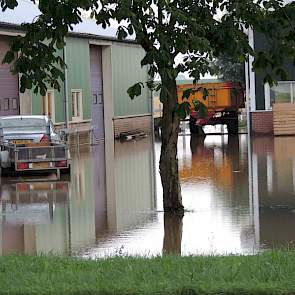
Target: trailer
<point>32,147</point>
<point>223,101</point>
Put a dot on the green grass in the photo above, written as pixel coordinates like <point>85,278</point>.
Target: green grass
<point>269,273</point>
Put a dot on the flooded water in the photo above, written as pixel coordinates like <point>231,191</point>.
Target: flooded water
<point>239,197</point>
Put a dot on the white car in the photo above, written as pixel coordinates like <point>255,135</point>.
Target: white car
<point>24,129</point>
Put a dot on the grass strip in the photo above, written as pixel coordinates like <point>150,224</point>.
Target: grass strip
<point>272,272</point>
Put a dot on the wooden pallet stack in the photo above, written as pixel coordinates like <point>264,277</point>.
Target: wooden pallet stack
<point>284,118</point>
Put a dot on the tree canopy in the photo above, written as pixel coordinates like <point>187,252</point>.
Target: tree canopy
<point>229,69</point>
<point>195,31</point>
<point>200,30</point>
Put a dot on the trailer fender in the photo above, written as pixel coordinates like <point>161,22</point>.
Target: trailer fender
<point>5,160</point>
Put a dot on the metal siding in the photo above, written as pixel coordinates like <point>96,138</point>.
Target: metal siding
<point>97,92</point>
<point>127,71</point>
<point>96,69</point>
<point>134,182</point>
<point>78,63</point>
<point>9,94</point>
<point>58,101</point>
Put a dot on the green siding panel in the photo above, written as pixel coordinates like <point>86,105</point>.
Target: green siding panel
<point>78,62</point>
<point>58,101</point>
<point>133,182</point>
<point>127,71</point>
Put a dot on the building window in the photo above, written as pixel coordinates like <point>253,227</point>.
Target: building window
<point>283,92</point>
<point>13,104</point>
<point>6,104</point>
<point>77,105</point>
<point>48,108</point>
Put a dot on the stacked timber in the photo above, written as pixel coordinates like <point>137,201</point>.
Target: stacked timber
<point>284,118</point>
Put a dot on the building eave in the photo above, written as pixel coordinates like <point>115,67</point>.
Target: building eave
<point>17,30</point>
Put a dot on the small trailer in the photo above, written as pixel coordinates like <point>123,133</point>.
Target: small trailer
<point>30,144</point>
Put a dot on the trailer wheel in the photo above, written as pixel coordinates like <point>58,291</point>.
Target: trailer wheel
<point>233,126</point>
<point>196,129</point>
<point>192,126</point>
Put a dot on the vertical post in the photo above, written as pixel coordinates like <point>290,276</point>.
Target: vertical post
<point>269,173</point>
<point>66,95</point>
<point>292,92</point>
<point>255,183</point>
<point>251,73</point>
<point>250,168</point>
<point>267,96</point>
<point>154,180</point>
<point>247,82</point>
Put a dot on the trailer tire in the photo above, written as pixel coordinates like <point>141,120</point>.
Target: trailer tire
<point>194,129</point>
<point>233,126</point>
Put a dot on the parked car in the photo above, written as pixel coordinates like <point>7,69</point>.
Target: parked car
<point>23,129</point>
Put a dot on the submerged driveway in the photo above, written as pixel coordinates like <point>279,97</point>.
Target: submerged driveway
<point>239,199</point>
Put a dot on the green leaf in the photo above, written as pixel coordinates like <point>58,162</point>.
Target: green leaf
<point>268,79</point>
<point>135,90</point>
<point>154,85</point>
<point>9,57</point>
<point>200,108</point>
<point>25,82</point>
<point>205,93</point>
<point>187,93</point>
<point>184,109</point>
<point>121,33</point>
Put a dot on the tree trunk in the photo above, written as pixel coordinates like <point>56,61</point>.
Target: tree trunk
<point>172,234</point>
<point>169,160</point>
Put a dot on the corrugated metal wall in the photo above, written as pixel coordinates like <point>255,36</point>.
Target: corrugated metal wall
<point>78,62</point>
<point>58,101</point>
<point>133,182</point>
<point>126,72</point>
<point>9,94</point>
<point>97,92</point>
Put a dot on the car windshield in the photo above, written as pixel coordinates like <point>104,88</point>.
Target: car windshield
<point>23,125</point>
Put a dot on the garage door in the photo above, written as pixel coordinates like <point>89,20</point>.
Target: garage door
<point>97,92</point>
<point>9,86</point>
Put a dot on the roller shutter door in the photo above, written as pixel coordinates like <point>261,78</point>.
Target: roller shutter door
<point>9,86</point>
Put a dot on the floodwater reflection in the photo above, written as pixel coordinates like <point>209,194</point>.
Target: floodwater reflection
<point>239,196</point>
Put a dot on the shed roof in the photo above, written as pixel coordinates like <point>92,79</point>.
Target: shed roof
<point>27,12</point>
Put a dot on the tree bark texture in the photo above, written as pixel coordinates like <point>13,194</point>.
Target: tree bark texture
<point>172,234</point>
<point>169,160</point>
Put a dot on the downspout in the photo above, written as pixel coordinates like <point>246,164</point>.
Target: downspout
<point>154,179</point>
<point>66,94</point>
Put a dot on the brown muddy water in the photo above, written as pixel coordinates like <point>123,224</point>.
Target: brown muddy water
<point>239,197</point>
